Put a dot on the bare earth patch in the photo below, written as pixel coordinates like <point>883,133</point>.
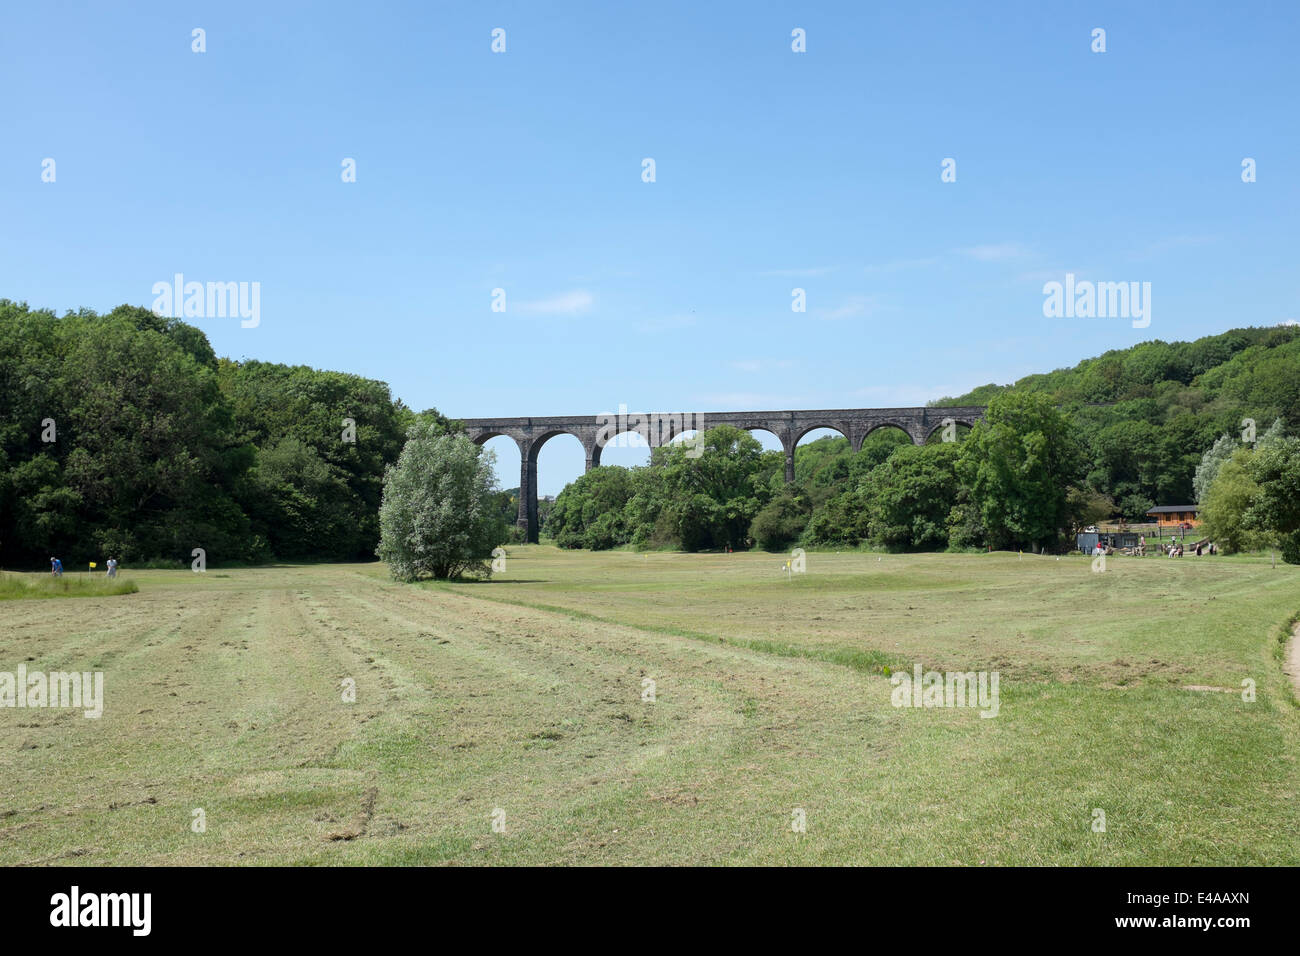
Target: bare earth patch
<point>1292,666</point>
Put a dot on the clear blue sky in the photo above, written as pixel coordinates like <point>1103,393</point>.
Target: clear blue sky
<point>522,170</point>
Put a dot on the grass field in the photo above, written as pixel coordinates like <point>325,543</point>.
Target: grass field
<point>1119,691</point>
<point>19,587</point>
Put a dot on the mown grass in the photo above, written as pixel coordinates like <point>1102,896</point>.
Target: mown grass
<point>20,587</point>
<point>1120,692</point>
<point>1194,621</point>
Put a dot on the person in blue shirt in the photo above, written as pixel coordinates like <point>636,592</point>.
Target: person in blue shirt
<point>56,567</point>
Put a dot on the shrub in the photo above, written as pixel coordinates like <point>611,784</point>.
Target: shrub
<point>439,517</point>
<point>781,521</point>
<point>1291,548</point>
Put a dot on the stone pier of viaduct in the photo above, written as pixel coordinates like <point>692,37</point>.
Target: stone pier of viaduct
<point>595,431</point>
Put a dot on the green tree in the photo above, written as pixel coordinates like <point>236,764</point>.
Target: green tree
<point>1274,432</point>
<point>841,520</point>
<point>1165,404</point>
<point>321,441</point>
<point>1087,507</point>
<point>1018,464</point>
<point>841,509</point>
<point>1275,510</point>
<point>782,520</point>
<point>965,526</point>
<point>912,494</point>
<point>707,495</point>
<point>1211,462</point>
<point>439,517</point>
<point>145,440</point>
<point>301,503</point>
<point>1225,510</point>
<point>590,511</point>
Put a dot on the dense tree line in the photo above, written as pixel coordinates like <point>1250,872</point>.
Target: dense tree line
<point>1012,481</point>
<point>1145,415</point>
<point>1250,493</point>
<point>123,434</point>
<point>1107,439</point>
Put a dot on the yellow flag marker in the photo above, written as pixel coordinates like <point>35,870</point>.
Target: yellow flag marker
<point>92,564</point>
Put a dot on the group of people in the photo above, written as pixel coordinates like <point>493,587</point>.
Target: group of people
<point>1176,549</point>
<point>56,567</point>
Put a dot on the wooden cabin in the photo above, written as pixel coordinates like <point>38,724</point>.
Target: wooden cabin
<point>1175,516</point>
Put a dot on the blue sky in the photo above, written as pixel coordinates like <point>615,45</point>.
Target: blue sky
<point>774,170</point>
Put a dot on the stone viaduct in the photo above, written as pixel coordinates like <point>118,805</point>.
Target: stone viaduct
<point>596,431</point>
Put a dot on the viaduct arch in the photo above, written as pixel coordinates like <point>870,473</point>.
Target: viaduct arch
<point>595,431</point>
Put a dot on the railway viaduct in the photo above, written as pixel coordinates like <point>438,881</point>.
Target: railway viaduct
<point>596,431</point>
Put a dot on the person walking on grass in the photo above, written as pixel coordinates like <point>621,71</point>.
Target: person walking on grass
<point>56,567</point>
<point>112,568</point>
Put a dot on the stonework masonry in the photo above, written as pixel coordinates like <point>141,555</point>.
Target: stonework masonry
<point>530,434</point>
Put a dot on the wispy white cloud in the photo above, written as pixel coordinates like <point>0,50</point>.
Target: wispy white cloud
<point>852,307</point>
<point>747,401</point>
<point>1169,244</point>
<point>996,251</point>
<point>573,302</point>
<point>667,323</point>
<point>800,273</point>
<point>905,395</point>
<point>590,278</point>
<point>898,265</point>
<point>1046,275</point>
<point>760,365</point>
